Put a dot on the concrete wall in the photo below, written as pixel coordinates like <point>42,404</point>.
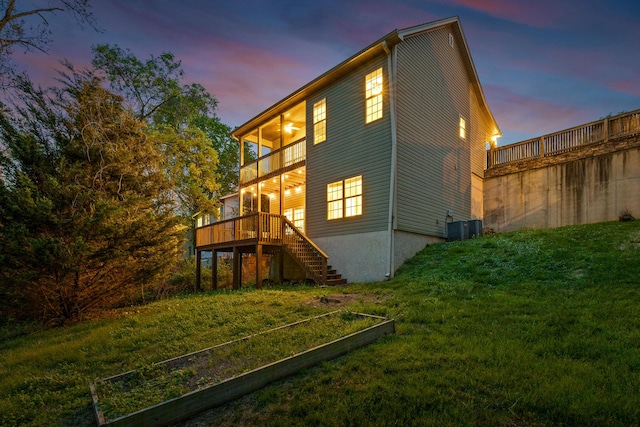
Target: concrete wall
<point>594,188</point>
<point>358,257</point>
<point>406,245</point>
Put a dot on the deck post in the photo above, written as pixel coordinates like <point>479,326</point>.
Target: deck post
<point>198,268</point>
<point>237,267</point>
<point>214,270</point>
<point>605,130</point>
<point>280,265</point>
<point>258,272</point>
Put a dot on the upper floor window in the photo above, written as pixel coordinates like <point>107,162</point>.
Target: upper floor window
<point>373,95</point>
<point>320,121</point>
<point>463,128</point>
<point>344,198</point>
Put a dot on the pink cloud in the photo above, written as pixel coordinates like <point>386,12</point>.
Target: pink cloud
<point>246,79</point>
<point>533,115</point>
<point>534,13</point>
<point>627,86</point>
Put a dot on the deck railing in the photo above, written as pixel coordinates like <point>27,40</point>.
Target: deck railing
<point>601,131</point>
<point>266,229</point>
<point>281,158</point>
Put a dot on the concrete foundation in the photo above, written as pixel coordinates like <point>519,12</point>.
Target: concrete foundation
<point>358,257</point>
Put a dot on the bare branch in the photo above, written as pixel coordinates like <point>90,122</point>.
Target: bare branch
<point>18,29</point>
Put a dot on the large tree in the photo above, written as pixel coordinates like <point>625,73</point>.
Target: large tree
<point>154,90</point>
<point>84,213</point>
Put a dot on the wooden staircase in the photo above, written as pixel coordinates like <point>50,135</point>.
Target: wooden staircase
<point>310,257</point>
<point>333,278</point>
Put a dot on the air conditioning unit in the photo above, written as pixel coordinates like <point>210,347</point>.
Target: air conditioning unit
<point>457,230</point>
<point>475,228</point>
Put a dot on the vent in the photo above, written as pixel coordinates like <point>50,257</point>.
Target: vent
<point>450,39</point>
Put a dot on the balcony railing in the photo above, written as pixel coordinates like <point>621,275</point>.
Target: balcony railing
<point>567,140</point>
<point>290,155</point>
<point>267,229</point>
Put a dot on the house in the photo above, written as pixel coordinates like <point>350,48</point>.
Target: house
<point>364,165</point>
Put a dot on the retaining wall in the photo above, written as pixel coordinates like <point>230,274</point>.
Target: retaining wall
<point>593,184</point>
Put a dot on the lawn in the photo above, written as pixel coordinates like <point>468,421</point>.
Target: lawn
<point>526,328</point>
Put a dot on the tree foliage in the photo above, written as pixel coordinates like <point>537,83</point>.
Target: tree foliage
<point>84,215</point>
<point>154,91</point>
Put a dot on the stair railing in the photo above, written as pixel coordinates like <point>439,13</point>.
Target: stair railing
<point>304,251</point>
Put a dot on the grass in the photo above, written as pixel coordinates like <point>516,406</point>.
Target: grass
<point>528,328</point>
<point>153,384</point>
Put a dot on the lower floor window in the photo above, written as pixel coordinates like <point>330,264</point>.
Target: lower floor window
<point>296,216</point>
<point>344,198</point>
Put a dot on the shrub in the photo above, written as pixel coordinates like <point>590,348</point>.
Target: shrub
<point>625,216</point>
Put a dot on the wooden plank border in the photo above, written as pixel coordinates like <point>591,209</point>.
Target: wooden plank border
<point>192,403</point>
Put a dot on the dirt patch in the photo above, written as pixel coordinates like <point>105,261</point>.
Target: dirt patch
<point>341,300</point>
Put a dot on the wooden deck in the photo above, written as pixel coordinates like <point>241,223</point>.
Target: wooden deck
<point>601,131</point>
<point>259,233</point>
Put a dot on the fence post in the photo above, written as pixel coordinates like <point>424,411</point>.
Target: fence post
<point>605,129</point>
<point>542,146</point>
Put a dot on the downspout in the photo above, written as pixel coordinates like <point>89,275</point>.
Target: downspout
<point>391,66</point>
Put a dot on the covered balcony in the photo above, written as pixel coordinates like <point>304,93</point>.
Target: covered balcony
<point>287,158</point>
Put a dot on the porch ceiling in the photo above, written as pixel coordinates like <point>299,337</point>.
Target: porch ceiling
<point>291,179</point>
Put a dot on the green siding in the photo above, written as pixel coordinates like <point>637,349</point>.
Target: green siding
<point>352,148</point>
<point>434,164</point>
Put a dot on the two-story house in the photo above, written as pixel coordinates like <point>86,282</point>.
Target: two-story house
<point>365,164</point>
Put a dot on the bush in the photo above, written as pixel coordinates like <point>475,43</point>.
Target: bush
<point>625,216</point>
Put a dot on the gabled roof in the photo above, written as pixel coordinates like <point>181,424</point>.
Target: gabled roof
<point>378,47</point>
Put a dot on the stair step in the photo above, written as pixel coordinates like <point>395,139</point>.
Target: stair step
<point>334,282</point>
<point>334,276</point>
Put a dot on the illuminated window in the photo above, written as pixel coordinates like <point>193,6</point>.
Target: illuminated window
<point>463,128</point>
<point>344,198</point>
<point>296,216</point>
<point>373,84</point>
<point>334,200</point>
<point>320,121</point>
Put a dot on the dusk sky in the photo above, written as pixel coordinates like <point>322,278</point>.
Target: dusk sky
<point>544,65</point>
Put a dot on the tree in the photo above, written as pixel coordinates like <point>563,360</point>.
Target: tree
<point>173,111</point>
<point>28,29</point>
<point>84,215</point>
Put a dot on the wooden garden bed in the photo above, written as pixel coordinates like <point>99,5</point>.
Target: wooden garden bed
<point>179,388</point>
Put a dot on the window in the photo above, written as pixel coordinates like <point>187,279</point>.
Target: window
<point>296,216</point>
<point>320,121</point>
<point>344,198</point>
<point>463,128</point>
<point>373,84</point>
<point>334,200</point>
